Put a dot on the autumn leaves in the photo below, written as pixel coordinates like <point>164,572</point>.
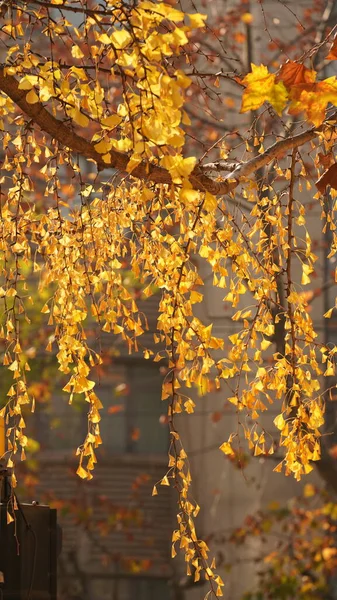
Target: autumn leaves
<point>294,87</point>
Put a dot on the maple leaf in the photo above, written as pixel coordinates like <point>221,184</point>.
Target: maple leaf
<point>313,99</point>
<point>261,86</point>
<point>326,160</point>
<point>329,177</point>
<point>293,73</point>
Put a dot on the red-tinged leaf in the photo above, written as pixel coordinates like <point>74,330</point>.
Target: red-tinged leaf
<point>333,451</point>
<point>216,416</point>
<point>135,434</point>
<point>333,51</point>
<point>326,160</point>
<point>117,408</point>
<point>313,98</point>
<point>328,178</point>
<point>293,73</point>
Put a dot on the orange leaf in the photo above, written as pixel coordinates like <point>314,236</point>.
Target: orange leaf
<point>239,37</point>
<point>333,451</point>
<point>10,519</point>
<point>326,160</point>
<point>117,408</point>
<point>216,416</point>
<point>135,434</point>
<point>329,177</point>
<point>313,98</point>
<point>292,73</point>
<point>333,51</point>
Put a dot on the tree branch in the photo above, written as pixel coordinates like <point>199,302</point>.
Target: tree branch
<point>4,5</point>
<point>83,10</point>
<point>145,170</point>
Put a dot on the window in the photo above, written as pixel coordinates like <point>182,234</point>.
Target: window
<point>133,418</point>
<point>131,422</point>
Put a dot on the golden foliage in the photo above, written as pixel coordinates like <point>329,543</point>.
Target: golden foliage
<point>163,226</point>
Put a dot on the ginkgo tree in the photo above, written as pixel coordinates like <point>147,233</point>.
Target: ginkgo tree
<point>101,107</point>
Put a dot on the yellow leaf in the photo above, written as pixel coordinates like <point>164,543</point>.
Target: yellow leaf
<point>123,145</point>
<point>265,344</point>
<point>309,490</point>
<point>111,121</point>
<point>196,297</point>
<point>279,422</point>
<point>134,161</point>
<point>189,195</point>
<point>210,202</point>
<point>178,166</point>
<point>197,20</point>
<point>82,472</point>
<point>166,10</point>
<point>247,18</point>
<point>14,366</point>
<point>11,292</point>
<point>329,553</point>
<point>28,82</point>
<point>104,38</point>
<point>103,146</point>
<point>305,279</point>
<point>32,97</point>
<point>257,450</point>
<point>330,371</point>
<point>233,400</point>
<point>226,448</point>
<point>80,118</point>
<point>76,51</point>
<point>121,38</point>
<point>10,519</point>
<point>261,87</point>
<point>82,384</point>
